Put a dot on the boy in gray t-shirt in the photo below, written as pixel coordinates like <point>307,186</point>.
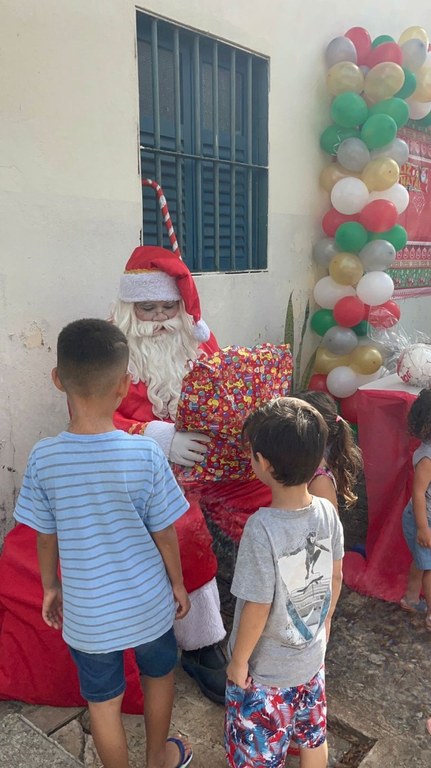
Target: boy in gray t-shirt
<point>287,582</point>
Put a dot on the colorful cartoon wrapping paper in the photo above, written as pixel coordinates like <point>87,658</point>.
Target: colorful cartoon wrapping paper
<point>218,393</point>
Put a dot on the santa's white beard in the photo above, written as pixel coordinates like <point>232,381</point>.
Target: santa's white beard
<point>159,360</point>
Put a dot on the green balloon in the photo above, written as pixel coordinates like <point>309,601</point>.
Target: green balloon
<point>396,108</point>
<point>322,320</point>
<point>349,109</point>
<point>333,135</point>
<point>351,236</point>
<point>397,235</point>
<point>361,329</point>
<point>409,86</point>
<point>378,131</point>
<point>382,39</point>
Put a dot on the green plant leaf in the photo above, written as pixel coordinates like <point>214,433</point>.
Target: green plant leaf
<point>308,371</point>
<point>289,325</point>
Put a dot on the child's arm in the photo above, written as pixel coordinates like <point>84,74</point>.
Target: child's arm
<point>421,481</point>
<point>337,580</point>
<point>166,542</point>
<point>251,625</point>
<point>323,486</point>
<point>52,605</point>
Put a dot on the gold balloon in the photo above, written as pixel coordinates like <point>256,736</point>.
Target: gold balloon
<point>333,173</point>
<point>346,269</point>
<point>414,33</point>
<point>380,174</point>
<point>366,360</point>
<point>326,360</point>
<point>383,80</point>
<point>344,76</point>
<point>423,84</point>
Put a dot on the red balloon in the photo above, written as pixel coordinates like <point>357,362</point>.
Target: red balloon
<point>349,408</point>
<point>378,216</point>
<point>349,311</point>
<point>361,40</point>
<point>332,220</point>
<point>385,315</point>
<point>384,52</point>
<point>317,383</point>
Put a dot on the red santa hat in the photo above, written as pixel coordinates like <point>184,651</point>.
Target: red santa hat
<point>156,274</point>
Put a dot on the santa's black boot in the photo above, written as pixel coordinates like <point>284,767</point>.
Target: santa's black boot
<point>208,667</point>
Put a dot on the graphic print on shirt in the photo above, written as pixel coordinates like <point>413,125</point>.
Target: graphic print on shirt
<point>307,574</point>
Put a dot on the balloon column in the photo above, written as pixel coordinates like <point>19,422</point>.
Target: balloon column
<point>376,87</point>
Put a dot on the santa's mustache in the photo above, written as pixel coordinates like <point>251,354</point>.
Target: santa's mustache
<point>149,328</point>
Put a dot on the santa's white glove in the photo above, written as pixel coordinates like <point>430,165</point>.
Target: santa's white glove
<point>188,448</point>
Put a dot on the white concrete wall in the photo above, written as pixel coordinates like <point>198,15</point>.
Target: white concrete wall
<point>70,196</point>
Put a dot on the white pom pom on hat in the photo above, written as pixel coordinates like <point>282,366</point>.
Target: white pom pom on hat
<point>156,274</point>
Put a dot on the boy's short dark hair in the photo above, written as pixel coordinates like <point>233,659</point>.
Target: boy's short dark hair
<point>291,435</point>
<point>91,355</point>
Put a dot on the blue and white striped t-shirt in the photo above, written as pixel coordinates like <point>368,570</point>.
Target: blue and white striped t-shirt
<point>104,495</point>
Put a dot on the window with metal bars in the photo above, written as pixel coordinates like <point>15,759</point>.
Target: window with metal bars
<point>204,139</point>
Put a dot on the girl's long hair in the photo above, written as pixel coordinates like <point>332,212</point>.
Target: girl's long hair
<point>343,456</point>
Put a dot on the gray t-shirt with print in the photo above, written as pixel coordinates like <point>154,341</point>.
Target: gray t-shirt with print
<point>424,452</point>
<point>285,558</point>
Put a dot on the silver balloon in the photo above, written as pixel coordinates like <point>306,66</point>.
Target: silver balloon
<point>340,340</point>
<point>353,154</point>
<point>398,150</point>
<point>340,49</point>
<point>414,54</point>
<point>377,255</point>
<point>324,250</point>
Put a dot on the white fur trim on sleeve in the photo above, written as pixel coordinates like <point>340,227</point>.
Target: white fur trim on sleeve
<point>163,433</point>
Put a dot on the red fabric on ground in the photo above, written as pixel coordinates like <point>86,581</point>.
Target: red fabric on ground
<point>35,665</point>
<point>387,450</point>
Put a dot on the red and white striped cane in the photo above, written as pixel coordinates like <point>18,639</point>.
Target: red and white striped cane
<point>165,213</point>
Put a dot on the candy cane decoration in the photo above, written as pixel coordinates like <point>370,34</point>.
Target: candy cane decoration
<point>165,213</point>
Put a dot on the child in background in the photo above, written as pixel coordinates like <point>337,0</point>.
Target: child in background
<point>342,463</point>
<point>417,514</point>
<point>287,581</point>
<point>104,503</point>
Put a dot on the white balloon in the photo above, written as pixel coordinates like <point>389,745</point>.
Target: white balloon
<point>349,195</point>
<point>342,381</point>
<point>418,109</point>
<point>414,53</point>
<point>375,288</point>
<point>397,194</point>
<point>327,292</point>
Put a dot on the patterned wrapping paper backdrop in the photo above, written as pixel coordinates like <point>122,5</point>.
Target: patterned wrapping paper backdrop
<point>411,271</point>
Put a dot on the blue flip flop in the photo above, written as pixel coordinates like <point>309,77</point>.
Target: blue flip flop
<point>184,759</point>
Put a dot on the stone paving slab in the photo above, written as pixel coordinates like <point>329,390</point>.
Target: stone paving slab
<point>22,745</point>
<point>50,719</point>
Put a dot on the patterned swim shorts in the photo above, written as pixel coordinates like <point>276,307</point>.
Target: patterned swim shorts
<point>261,721</point>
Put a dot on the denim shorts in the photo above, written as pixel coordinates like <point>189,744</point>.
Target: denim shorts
<point>261,721</point>
<point>421,555</point>
<point>101,675</point>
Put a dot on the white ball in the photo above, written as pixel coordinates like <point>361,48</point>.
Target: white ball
<point>414,365</point>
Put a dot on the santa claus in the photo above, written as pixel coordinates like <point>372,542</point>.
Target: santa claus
<point>159,312</point>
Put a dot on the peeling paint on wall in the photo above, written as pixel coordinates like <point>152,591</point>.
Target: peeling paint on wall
<point>32,337</point>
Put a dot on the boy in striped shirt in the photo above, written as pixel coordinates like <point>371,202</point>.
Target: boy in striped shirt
<point>104,503</point>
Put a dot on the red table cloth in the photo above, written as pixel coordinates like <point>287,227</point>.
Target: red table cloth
<point>387,449</point>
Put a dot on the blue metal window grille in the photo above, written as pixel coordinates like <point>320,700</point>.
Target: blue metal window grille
<point>204,138</point>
